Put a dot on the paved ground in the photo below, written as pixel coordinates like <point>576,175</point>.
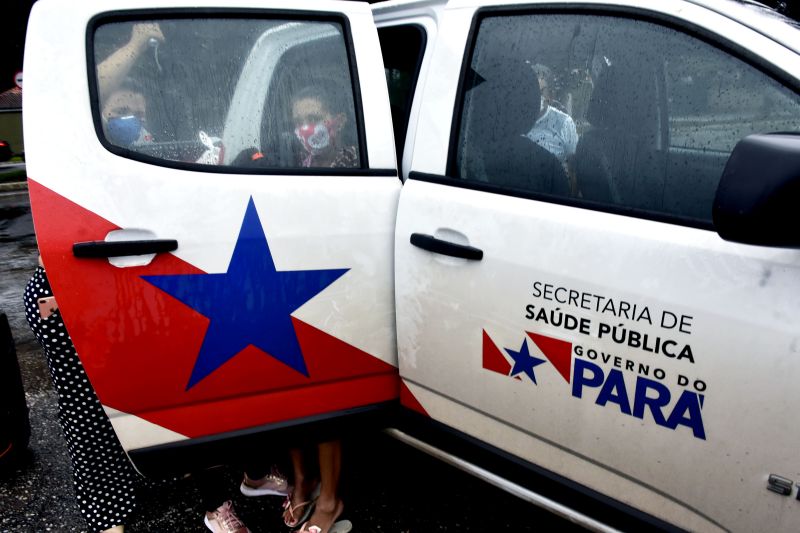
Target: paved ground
<point>388,486</point>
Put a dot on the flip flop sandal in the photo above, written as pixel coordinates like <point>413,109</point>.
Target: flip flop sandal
<point>307,505</point>
<point>342,526</point>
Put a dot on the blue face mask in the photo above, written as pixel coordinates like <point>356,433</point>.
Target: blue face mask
<point>124,131</point>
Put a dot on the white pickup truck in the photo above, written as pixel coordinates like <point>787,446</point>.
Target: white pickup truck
<point>559,235</point>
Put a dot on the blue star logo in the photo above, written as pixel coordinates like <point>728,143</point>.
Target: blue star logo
<point>524,361</point>
<point>251,303</point>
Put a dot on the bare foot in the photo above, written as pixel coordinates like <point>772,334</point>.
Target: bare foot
<point>325,515</point>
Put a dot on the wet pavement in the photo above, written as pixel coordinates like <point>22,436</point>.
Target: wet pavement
<point>388,486</point>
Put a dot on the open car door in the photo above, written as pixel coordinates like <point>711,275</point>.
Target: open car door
<point>214,194</point>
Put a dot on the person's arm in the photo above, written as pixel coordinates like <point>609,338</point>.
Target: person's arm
<point>112,71</point>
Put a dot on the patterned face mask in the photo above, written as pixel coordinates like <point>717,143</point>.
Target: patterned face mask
<point>316,137</point>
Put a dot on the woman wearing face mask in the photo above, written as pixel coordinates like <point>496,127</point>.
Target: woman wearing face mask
<point>123,108</point>
<point>124,117</point>
<point>321,126</point>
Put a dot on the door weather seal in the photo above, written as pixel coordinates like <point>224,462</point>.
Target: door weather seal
<point>503,484</point>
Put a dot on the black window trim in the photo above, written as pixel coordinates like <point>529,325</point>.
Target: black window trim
<point>415,78</point>
<point>129,15</point>
<point>630,13</point>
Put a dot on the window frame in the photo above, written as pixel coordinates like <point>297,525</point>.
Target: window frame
<point>685,27</point>
<point>400,143</point>
<point>144,15</point>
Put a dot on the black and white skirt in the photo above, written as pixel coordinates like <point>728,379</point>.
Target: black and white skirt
<point>105,481</point>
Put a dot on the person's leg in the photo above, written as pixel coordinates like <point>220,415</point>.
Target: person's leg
<point>300,499</point>
<point>329,505</point>
<point>213,492</point>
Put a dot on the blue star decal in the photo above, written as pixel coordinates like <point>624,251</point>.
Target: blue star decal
<point>251,303</point>
<point>524,361</point>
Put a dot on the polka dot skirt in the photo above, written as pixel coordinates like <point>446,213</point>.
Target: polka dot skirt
<point>104,478</point>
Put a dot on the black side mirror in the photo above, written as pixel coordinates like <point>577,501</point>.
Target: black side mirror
<point>758,197</point>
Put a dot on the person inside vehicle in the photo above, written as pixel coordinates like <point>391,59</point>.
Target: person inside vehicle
<point>123,107</point>
<point>502,114</point>
<point>311,135</point>
<point>553,130</point>
<point>323,127</point>
<point>124,116</point>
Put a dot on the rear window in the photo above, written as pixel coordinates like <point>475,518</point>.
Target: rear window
<point>232,92</point>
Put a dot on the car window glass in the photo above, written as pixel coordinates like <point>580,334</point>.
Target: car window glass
<point>620,114</point>
<point>227,91</point>
<point>705,92</point>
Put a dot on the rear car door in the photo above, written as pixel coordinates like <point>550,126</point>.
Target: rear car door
<point>214,194</point>
<point>562,293</point>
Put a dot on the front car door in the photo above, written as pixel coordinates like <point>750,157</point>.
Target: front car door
<point>220,267</point>
<point>588,319</point>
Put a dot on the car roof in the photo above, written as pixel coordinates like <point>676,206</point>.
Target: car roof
<point>759,17</point>
<point>392,6</point>
<point>754,15</point>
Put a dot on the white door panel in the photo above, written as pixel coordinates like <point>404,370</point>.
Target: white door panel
<point>738,311</point>
<point>614,349</point>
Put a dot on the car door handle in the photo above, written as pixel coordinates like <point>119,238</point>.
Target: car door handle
<point>94,249</point>
<point>432,244</point>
